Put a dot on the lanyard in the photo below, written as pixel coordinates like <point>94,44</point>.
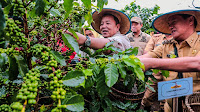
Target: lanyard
<point>180,74</point>
<point>177,102</point>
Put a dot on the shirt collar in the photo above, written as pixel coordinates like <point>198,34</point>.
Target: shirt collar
<point>139,34</point>
<point>116,34</point>
<point>192,39</point>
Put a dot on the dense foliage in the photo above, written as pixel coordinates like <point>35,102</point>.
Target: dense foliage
<point>146,14</point>
<point>37,72</point>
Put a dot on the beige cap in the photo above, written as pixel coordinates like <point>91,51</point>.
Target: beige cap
<point>136,19</point>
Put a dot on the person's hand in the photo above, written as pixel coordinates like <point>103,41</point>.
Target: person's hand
<point>146,63</point>
<point>81,38</point>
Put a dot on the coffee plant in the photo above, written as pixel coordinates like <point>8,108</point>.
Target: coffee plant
<point>146,14</point>
<point>37,70</point>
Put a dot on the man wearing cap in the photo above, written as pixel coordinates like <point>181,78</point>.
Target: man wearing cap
<point>183,26</point>
<point>112,25</point>
<point>137,37</point>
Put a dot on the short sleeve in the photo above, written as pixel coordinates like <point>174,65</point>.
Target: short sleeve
<point>157,52</point>
<point>121,42</point>
<point>150,45</point>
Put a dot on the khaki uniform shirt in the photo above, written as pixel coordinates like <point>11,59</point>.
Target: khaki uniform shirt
<point>120,41</point>
<point>188,48</point>
<point>155,41</point>
<point>139,41</point>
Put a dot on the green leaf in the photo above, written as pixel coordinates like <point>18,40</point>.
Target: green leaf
<point>2,91</point>
<point>112,48</point>
<point>138,62</point>
<point>124,106</point>
<point>89,82</point>
<point>165,73</point>
<point>155,71</point>
<point>122,70</point>
<point>22,65</point>
<point>13,68</point>
<point>68,4</point>
<point>109,43</point>
<point>111,74</point>
<point>130,62</point>
<point>55,12</point>
<point>141,110</point>
<point>39,7</point>
<point>101,3</point>
<point>88,72</point>
<point>4,76</point>
<point>2,61</point>
<point>70,42</point>
<point>83,83</point>
<point>173,56</point>
<point>102,88</point>
<point>87,3</point>
<point>13,98</point>
<point>53,22</point>
<point>88,18</point>
<point>96,69</point>
<point>18,81</point>
<point>74,78</point>
<point>149,72</point>
<point>73,32</point>
<point>139,72</point>
<point>59,58</point>
<point>2,20</point>
<point>6,10</point>
<point>75,103</point>
<point>108,104</point>
<point>151,88</point>
<point>42,108</point>
<point>95,105</point>
<point>31,13</point>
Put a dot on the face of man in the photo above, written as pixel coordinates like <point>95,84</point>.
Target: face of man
<point>135,27</point>
<point>108,26</point>
<point>89,33</point>
<point>178,26</point>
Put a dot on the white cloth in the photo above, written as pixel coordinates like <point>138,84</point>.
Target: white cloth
<point>120,41</point>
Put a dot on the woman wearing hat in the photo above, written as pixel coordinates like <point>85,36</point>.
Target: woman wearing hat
<point>183,26</point>
<point>112,25</point>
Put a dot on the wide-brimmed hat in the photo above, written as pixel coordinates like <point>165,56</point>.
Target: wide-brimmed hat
<point>161,22</point>
<point>124,20</point>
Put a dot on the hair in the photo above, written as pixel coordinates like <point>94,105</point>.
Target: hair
<point>185,16</point>
<point>115,18</point>
<point>87,29</point>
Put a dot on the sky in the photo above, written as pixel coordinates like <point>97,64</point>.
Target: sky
<point>165,5</point>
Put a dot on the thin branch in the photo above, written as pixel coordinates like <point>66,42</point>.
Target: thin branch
<point>32,28</point>
<point>28,3</point>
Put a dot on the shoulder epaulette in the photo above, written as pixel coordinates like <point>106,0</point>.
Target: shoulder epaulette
<point>168,41</point>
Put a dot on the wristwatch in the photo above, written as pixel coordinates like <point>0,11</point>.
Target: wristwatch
<point>87,42</point>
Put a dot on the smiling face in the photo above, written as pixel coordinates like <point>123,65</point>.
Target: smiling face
<point>180,27</point>
<point>108,26</point>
